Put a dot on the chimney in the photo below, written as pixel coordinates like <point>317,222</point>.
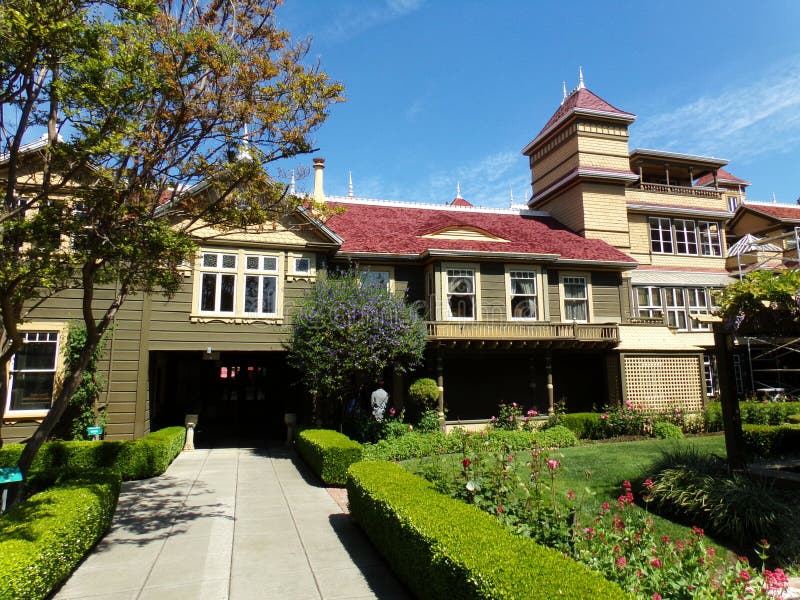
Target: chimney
<point>319,167</point>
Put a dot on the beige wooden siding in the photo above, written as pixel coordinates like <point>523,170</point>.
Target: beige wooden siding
<point>553,297</point>
<point>606,297</point>
<point>635,195</point>
<point>566,208</point>
<point>493,292</point>
<point>605,213</point>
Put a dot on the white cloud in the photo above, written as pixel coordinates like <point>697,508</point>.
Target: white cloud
<point>737,122</point>
<point>355,19</point>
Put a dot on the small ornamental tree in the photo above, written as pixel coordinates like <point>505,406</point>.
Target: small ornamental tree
<point>763,302</point>
<point>347,331</point>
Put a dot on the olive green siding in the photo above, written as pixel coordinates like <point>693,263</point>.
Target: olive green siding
<point>409,282</point>
<point>605,296</point>
<point>493,292</point>
<point>553,296</point>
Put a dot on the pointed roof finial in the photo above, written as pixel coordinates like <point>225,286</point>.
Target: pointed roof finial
<point>458,190</point>
<point>563,92</point>
<point>511,198</point>
<point>244,151</point>
<point>580,78</point>
<point>291,185</point>
<point>350,185</point>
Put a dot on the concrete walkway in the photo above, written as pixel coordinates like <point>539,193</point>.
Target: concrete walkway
<point>232,524</point>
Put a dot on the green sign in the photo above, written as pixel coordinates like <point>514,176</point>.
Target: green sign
<point>10,474</point>
<point>94,430</point>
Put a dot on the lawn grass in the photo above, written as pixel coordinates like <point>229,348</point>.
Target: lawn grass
<point>607,465</point>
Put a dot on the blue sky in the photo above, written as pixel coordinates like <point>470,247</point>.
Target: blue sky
<point>445,91</point>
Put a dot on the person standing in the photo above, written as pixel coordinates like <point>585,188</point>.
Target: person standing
<point>378,400</point>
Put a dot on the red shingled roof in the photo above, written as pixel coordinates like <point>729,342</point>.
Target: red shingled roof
<point>582,99</point>
<point>459,201</point>
<point>722,177</point>
<point>784,212</point>
<point>392,229</point>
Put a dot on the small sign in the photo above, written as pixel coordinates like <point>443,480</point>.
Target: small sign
<point>10,474</point>
<point>94,431</point>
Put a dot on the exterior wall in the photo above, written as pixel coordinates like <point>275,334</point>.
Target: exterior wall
<point>606,297</point>
<point>640,247</point>
<point>553,160</point>
<point>716,202</point>
<point>605,214</point>
<point>603,145</point>
<point>493,292</point>
<point>567,208</point>
<point>553,296</point>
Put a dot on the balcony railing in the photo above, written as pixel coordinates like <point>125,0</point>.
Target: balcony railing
<point>680,190</point>
<point>501,331</point>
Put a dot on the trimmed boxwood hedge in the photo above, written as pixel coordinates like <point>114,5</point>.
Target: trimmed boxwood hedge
<point>769,440</point>
<point>586,425</point>
<point>329,453</point>
<point>443,548</point>
<point>43,539</point>
<point>133,459</point>
<point>753,413</point>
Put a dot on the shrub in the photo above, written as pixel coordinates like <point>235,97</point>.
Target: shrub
<point>556,437</point>
<point>625,419</point>
<point>585,426</point>
<point>752,413</point>
<point>413,445</point>
<point>769,440</point>
<point>43,539</point>
<point>793,419</point>
<point>428,421</point>
<point>328,453</point>
<point>664,430</point>
<point>424,394</point>
<point>442,548</point>
<point>133,459</point>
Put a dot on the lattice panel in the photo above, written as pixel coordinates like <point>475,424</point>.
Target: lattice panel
<point>660,382</point>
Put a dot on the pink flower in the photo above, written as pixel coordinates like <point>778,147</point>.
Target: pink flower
<point>656,562</point>
<point>697,531</point>
<point>648,483</point>
<point>622,561</point>
<point>510,458</point>
<point>532,413</point>
<point>514,404</point>
<point>466,462</point>
<point>656,596</point>
<point>570,494</point>
<point>392,412</point>
<point>744,575</point>
<point>500,509</point>
<point>604,416</point>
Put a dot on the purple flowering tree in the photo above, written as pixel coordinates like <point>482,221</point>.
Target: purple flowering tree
<point>347,332</point>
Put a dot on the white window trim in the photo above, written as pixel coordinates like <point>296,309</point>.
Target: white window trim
<point>261,273</point>
<point>589,305</point>
<point>240,272</point>
<point>61,330</point>
<point>291,260</point>
<point>218,271</point>
<point>539,291</point>
<point>380,269</point>
<point>445,305</point>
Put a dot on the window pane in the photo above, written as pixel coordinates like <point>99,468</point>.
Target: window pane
<point>575,287</point>
<point>523,286</point>
<point>523,308</point>
<point>460,285</point>
<point>209,260</point>
<point>252,263</point>
<point>461,306</point>
<point>35,356</point>
<point>32,391</point>
<point>268,288</point>
<point>208,291</point>
<point>377,278</point>
<point>270,263</point>
<point>251,294</point>
<point>226,293</point>
<point>228,261</point>
<point>576,311</point>
<point>302,265</point>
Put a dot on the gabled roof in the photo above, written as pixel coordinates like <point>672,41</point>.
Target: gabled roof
<point>459,201</point>
<point>403,229</point>
<point>722,177</point>
<point>778,212</point>
<point>581,101</point>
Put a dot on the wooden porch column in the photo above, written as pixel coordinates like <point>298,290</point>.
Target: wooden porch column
<point>440,383</point>
<point>641,175</point>
<point>731,417</point>
<point>691,177</point>
<point>548,367</point>
<point>716,185</point>
<point>666,170</point>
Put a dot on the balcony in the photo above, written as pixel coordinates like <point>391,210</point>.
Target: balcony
<point>492,334</point>
<point>680,190</point>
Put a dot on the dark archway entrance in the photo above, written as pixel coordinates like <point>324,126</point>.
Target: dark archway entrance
<point>241,397</point>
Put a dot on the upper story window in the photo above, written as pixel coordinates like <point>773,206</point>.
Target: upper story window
<point>376,278</point>
<point>32,374</point>
<point>261,285</point>
<point>461,293</point>
<point>576,298</point>
<point>218,283</point>
<point>239,283</point>
<point>523,296</point>
<point>681,305</point>
<point>685,236</point>
<point>733,202</point>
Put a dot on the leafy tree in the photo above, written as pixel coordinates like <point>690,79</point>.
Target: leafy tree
<point>765,302</point>
<point>347,332</point>
<point>170,110</point>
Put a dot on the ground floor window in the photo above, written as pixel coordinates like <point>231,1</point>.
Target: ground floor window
<point>710,368</point>
<point>33,371</point>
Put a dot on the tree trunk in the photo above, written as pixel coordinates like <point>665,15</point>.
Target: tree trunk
<point>731,418</point>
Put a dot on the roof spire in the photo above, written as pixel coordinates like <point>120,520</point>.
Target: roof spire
<point>563,92</point>
<point>458,190</point>
<point>350,185</point>
<point>244,151</point>
<point>580,78</point>
<point>511,199</point>
<point>291,185</point>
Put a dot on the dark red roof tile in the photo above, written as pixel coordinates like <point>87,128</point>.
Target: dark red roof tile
<point>783,212</point>
<point>582,99</point>
<point>459,201</point>
<point>722,177</point>
<point>394,229</point>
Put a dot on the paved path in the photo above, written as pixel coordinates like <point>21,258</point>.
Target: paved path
<point>232,524</point>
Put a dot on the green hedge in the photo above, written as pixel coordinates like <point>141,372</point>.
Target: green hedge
<point>443,548</point>
<point>753,413</point>
<point>43,539</point>
<point>587,426</point>
<point>133,459</point>
<point>328,453</point>
<point>771,440</point>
